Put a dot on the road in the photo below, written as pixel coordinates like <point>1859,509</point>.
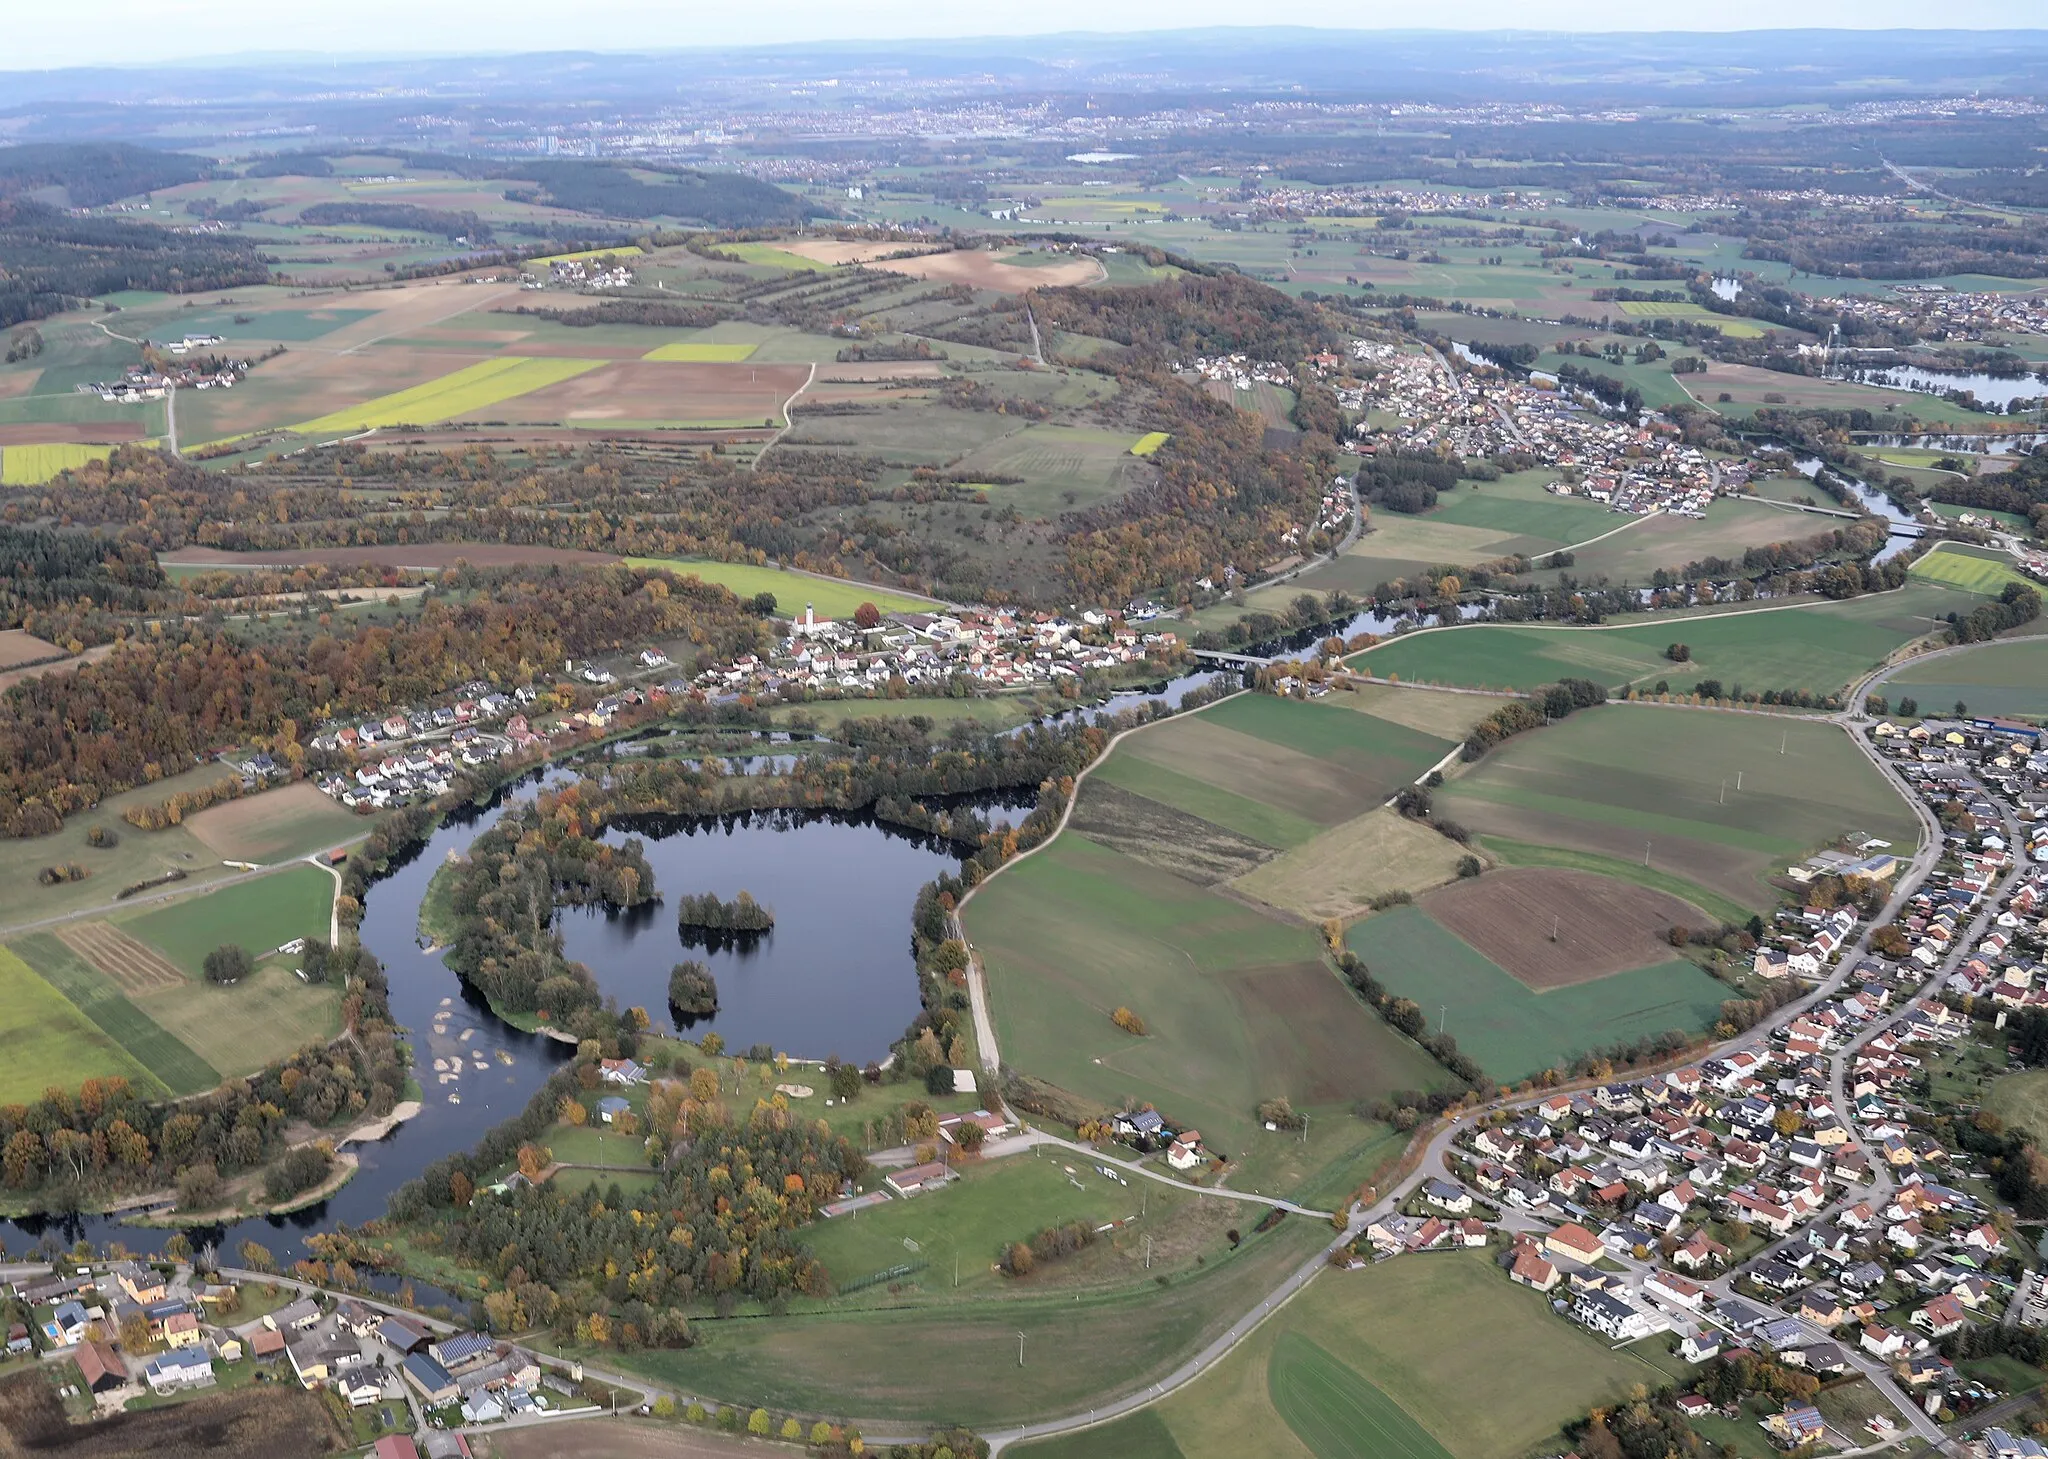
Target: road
<point>788,420</point>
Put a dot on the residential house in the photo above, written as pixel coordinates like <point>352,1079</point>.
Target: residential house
<point>1574,1243</point>
<point>182,1369</point>
<point>1883,1342</point>
<point>1446,1197</point>
<point>1185,1153</point>
<point>1532,1270</point>
<point>1613,1315</point>
<point>430,1380</point>
<point>1796,1427</point>
<point>296,1316</point>
<point>1940,1317</point>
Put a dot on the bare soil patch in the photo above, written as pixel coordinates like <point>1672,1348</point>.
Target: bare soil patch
<point>61,666</point>
<point>135,966</point>
<point>425,555</point>
<point>606,1438</point>
<point>18,647</point>
<point>641,390</point>
<point>1161,836</point>
<point>18,383</point>
<point>981,270</point>
<point>1601,926</point>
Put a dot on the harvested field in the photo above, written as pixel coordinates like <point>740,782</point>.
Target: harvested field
<point>29,433</point>
<point>1447,716</point>
<point>982,270</point>
<point>1163,837</point>
<point>1602,926</point>
<point>426,556</point>
<point>134,967</point>
<point>462,392</point>
<point>655,390</point>
<point>257,1422</point>
<point>18,647</point>
<point>292,820</point>
<point>1340,872</point>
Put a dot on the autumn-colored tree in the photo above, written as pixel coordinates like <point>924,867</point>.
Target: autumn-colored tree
<point>533,1159</point>
<point>574,1112</point>
<point>758,1422</point>
<point>867,616</point>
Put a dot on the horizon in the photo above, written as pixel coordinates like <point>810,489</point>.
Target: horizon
<point>44,44</point>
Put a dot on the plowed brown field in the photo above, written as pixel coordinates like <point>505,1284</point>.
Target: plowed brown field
<point>1602,926</point>
<point>135,966</point>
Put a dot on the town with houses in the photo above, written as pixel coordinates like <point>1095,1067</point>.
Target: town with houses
<point>1790,1200</point>
<point>164,1330</point>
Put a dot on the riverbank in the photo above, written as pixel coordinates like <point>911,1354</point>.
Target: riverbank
<point>345,1167</point>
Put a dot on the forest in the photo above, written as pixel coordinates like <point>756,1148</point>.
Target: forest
<point>52,259</point>
<point>717,199</point>
<point>166,698</point>
<point>95,173</point>
<point>408,216</point>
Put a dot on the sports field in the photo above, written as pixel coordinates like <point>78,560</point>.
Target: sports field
<point>34,465</point>
<point>1390,1360</point>
<point>470,388</point>
<point>1819,647</point>
<point>831,597</point>
<point>2006,677</point>
<point>45,1040</point>
<point>1973,569</point>
<point>1239,1007</point>
<point>1512,1030</point>
<point>1716,803</point>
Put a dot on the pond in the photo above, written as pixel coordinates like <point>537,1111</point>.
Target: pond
<point>835,976</point>
<point>1994,391</point>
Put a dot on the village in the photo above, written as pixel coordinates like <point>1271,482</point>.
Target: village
<point>1788,1205</point>
<point>148,1332</point>
<point>1630,467</point>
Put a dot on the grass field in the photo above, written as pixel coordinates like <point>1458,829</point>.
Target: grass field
<point>2007,677</point>
<point>1820,647</point>
<point>34,465</point>
<point>623,250</point>
<point>1510,1029</point>
<point>1064,468</point>
<point>470,388</point>
<point>290,821</point>
<point>773,257</point>
<point>832,597</point>
<point>1079,1346</point>
<point>259,914</point>
<point>1719,802</point>
<point>46,1040</point>
<point>2022,1100</point>
<point>177,1065</point>
<point>1734,328</point>
<point>974,1218</point>
<point>1385,1361</point>
<point>1973,569</point>
<point>1239,1007</point>
<point>701,352</point>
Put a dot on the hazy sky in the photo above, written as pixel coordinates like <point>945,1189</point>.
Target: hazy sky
<point>129,32</point>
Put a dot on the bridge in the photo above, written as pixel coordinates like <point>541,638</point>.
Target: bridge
<point>1251,661</point>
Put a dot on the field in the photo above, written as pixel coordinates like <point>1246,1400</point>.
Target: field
<point>260,914</point>
<point>18,647</point>
<point>277,825</point>
<point>425,555</point>
<point>1715,803</point>
<point>984,270</point>
<point>34,465</point>
<point>1239,1008</point>
<point>632,393</point>
<point>831,597</point>
<point>452,395</point>
<point>2021,1100</point>
<point>696,352</point>
<point>974,1218</point>
<point>1338,873</point>
<point>1511,1029</point>
<point>173,1063</point>
<point>1149,443</point>
<point>45,1040</point>
<point>254,1422</point>
<point>1748,387</point>
<point>1820,647</point>
<point>2007,677</point>
<point>1079,1346</point>
<point>1384,1361</point>
<point>1550,929</point>
<point>1734,328</point>
<point>1065,468</point>
<point>774,256</point>
<point>1974,570</point>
